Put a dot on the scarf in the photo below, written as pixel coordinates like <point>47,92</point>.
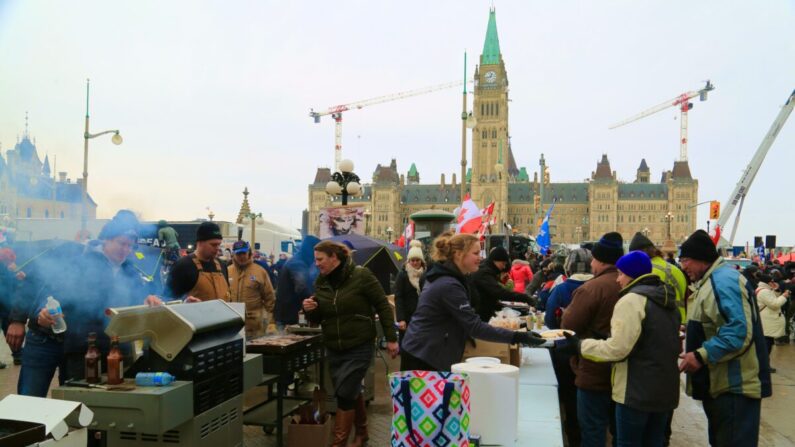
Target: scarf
<point>414,276</point>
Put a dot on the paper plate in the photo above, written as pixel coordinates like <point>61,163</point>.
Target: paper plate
<point>555,334</point>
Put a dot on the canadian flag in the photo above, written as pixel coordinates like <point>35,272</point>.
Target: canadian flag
<point>408,233</point>
<point>469,217</point>
<point>715,234</point>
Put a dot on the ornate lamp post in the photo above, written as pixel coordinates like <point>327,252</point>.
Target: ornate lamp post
<point>116,139</point>
<point>344,182</point>
<point>254,219</point>
<point>669,246</point>
<point>367,216</point>
<point>668,218</point>
<point>646,232</point>
<point>389,232</point>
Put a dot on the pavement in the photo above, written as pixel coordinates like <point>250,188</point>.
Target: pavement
<point>689,426</point>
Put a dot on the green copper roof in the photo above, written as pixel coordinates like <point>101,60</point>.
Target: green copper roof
<point>413,170</point>
<point>522,176</point>
<point>491,47</point>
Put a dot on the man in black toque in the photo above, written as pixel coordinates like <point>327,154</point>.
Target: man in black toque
<point>200,276</point>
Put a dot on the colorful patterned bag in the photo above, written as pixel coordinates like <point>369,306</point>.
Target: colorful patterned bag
<point>429,409</point>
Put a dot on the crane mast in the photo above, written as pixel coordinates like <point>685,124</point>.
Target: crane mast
<point>683,102</point>
<point>737,197</point>
<point>336,111</point>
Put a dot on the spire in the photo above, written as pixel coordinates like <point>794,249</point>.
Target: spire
<point>491,47</point>
<point>245,209</point>
<point>45,170</point>
<point>643,166</point>
<point>27,132</point>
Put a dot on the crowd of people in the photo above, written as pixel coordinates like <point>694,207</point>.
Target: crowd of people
<point>635,319</point>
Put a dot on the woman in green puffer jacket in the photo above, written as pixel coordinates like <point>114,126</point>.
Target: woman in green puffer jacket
<point>347,298</point>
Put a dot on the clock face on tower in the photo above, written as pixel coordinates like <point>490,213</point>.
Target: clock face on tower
<point>491,77</point>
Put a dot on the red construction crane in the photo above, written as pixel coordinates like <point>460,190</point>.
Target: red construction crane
<point>683,102</point>
<point>336,111</point>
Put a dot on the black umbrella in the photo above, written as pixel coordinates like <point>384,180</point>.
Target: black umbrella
<point>382,258</point>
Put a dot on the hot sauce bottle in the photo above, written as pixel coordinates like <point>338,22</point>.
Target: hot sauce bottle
<point>115,363</point>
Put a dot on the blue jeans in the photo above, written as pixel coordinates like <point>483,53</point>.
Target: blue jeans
<point>595,414</point>
<point>41,355</point>
<point>733,420</point>
<point>640,428</point>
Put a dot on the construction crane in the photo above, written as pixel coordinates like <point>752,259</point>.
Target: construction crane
<point>683,102</point>
<point>336,111</point>
<point>737,196</point>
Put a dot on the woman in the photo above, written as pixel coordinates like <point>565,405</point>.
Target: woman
<point>444,319</point>
<point>521,275</point>
<point>344,302</point>
<point>770,303</point>
<point>408,284</point>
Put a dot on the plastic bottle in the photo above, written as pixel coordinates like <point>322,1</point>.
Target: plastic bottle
<point>54,308</point>
<point>93,360</point>
<point>115,363</point>
<point>153,379</point>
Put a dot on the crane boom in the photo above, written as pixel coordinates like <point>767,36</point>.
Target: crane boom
<point>336,111</point>
<point>683,102</point>
<point>747,178</point>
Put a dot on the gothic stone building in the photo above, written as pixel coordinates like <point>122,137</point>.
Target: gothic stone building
<point>583,211</point>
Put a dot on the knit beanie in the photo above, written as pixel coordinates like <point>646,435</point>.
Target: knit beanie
<point>700,247</point>
<point>634,264</point>
<point>415,253</point>
<point>609,248</point>
<point>208,231</point>
<point>499,254</point>
<point>639,242</point>
<point>124,223</point>
<point>578,261</point>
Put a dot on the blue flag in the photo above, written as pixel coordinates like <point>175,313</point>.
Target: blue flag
<point>543,239</point>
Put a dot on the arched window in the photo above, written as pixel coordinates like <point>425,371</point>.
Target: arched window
<point>485,133</point>
<point>497,112</point>
<point>494,133</point>
<point>482,109</point>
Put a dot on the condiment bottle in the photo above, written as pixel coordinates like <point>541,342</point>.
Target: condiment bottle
<point>93,360</point>
<point>115,363</point>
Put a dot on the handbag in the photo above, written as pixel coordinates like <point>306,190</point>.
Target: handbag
<point>429,409</point>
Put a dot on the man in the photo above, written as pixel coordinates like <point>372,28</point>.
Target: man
<point>103,277</point>
<point>589,316</point>
<point>201,276</point>
<point>486,291</point>
<point>642,347</point>
<point>168,238</point>
<point>250,284</point>
<point>296,283</point>
<point>726,361</point>
<point>670,274</point>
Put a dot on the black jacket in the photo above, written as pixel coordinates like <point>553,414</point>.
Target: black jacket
<point>406,296</point>
<point>444,320</point>
<point>486,291</point>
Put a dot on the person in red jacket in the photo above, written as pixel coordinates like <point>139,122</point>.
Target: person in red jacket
<point>521,275</point>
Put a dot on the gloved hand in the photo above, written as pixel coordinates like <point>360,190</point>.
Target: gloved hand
<point>531,339</point>
<point>572,345</point>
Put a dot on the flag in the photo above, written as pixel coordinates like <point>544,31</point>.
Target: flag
<point>469,217</point>
<point>715,236</point>
<point>543,240</point>
<point>408,233</point>
<point>402,242</point>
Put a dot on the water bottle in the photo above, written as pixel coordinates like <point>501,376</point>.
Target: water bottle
<point>153,379</point>
<point>54,308</point>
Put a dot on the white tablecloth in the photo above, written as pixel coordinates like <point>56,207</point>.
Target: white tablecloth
<point>539,409</point>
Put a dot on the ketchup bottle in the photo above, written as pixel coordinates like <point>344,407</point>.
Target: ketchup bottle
<point>93,360</point>
<point>115,363</point>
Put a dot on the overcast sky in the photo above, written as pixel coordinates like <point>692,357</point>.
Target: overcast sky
<point>213,96</point>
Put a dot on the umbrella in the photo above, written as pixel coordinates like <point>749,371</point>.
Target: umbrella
<point>382,258</point>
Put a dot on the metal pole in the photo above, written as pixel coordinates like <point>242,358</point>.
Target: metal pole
<point>84,204</point>
<point>345,196</point>
<point>464,134</point>
<point>253,231</point>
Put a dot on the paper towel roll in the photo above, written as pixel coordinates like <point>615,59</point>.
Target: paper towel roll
<point>494,401</point>
<point>488,360</point>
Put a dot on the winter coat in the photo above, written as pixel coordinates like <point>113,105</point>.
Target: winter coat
<point>406,296</point>
<point>560,298</point>
<point>296,282</point>
<point>252,286</point>
<point>643,346</point>
<point>487,291</point>
<point>521,275</point>
<point>724,328</point>
<point>445,319</point>
<point>589,316</point>
<point>773,320</point>
<point>346,312</point>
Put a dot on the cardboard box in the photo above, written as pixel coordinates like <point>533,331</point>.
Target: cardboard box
<point>483,348</point>
<point>302,435</point>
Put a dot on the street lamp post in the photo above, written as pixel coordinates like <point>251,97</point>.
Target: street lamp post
<point>344,182</point>
<point>578,232</point>
<point>669,217</point>
<point>389,232</point>
<point>116,139</point>
<point>367,215</point>
<point>254,219</point>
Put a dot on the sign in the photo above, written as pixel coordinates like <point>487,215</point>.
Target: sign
<point>341,220</point>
